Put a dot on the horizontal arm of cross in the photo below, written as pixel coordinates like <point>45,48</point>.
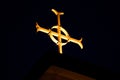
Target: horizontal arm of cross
<point>79,42</point>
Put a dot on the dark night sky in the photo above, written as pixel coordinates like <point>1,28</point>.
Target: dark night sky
<point>81,19</point>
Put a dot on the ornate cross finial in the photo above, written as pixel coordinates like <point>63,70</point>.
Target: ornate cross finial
<point>58,33</point>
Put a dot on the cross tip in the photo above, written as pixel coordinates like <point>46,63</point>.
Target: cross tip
<point>81,39</point>
<point>53,10</point>
<point>61,53</point>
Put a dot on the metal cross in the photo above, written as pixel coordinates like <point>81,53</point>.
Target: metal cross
<point>58,33</point>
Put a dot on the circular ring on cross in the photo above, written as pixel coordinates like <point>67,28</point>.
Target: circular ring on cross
<point>64,32</point>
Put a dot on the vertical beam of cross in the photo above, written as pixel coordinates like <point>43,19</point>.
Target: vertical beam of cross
<point>59,30</point>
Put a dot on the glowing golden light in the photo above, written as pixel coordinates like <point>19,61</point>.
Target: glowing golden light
<point>58,33</point>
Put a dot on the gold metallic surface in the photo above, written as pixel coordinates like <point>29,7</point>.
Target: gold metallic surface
<point>58,33</point>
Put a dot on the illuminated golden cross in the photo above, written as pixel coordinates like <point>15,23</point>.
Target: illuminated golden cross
<point>58,33</point>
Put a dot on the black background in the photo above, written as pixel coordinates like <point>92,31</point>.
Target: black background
<point>88,19</point>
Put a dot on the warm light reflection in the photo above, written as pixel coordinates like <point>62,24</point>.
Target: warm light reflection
<point>58,34</point>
